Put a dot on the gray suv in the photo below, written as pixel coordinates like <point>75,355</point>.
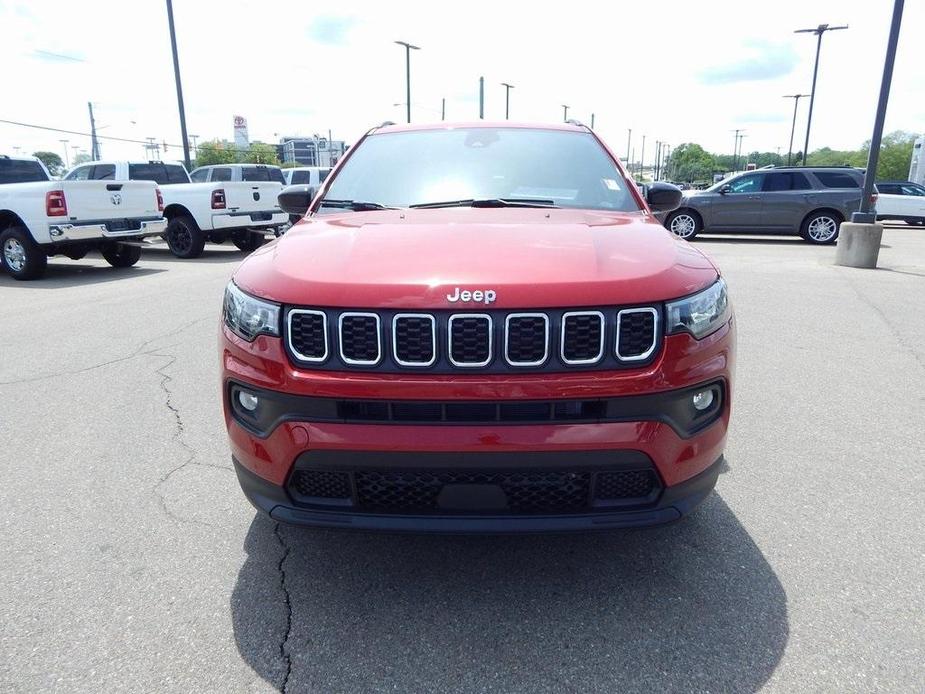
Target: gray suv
<point>809,201</point>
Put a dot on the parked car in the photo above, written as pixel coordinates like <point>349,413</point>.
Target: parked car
<point>901,200</point>
<point>306,175</point>
<point>40,217</point>
<point>809,201</point>
<point>496,335</point>
<point>233,201</point>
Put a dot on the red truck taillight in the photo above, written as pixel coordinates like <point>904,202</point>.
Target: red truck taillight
<point>218,199</point>
<point>873,198</point>
<point>160,200</point>
<point>55,204</point>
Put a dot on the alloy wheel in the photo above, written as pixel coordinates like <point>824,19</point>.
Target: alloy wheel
<point>15,254</point>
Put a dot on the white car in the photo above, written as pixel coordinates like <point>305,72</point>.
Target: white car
<point>40,217</point>
<point>306,175</point>
<point>233,201</point>
<point>901,200</point>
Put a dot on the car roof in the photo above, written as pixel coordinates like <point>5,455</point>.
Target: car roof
<point>410,127</point>
<point>19,157</point>
<point>899,183</point>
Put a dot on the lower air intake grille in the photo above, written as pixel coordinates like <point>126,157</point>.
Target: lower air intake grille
<point>625,484</point>
<point>321,484</point>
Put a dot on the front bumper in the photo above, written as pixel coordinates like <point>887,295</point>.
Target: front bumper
<point>672,504</point>
<point>258,219</point>
<point>99,231</point>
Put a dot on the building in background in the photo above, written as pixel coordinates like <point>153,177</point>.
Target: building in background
<point>241,141</point>
<point>917,165</point>
<point>311,151</point>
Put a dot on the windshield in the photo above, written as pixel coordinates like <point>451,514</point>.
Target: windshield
<point>262,173</point>
<point>421,167</point>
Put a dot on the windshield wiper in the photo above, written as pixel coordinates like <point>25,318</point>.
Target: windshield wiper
<point>356,205</point>
<point>488,202</point>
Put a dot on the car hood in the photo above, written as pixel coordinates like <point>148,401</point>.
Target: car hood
<point>528,257</point>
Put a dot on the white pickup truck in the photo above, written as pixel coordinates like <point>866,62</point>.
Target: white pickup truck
<point>40,217</point>
<point>231,201</point>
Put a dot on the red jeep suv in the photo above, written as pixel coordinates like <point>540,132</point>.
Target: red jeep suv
<point>477,328</point>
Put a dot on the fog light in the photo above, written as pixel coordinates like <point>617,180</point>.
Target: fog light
<point>248,401</point>
<point>701,400</point>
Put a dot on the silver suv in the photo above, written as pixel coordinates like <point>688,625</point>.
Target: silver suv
<point>809,201</point>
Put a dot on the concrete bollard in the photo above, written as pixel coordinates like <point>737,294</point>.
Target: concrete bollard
<point>858,244</point>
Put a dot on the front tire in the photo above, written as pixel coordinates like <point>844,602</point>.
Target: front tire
<point>685,224</point>
<point>249,242</point>
<point>184,237</point>
<point>821,228</point>
<point>20,256</point>
<point>121,254</point>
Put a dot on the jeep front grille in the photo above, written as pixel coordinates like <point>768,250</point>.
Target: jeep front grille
<point>493,341</point>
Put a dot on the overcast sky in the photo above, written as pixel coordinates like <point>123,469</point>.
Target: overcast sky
<point>688,71</point>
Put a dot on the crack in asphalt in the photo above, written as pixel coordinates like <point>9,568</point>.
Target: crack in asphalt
<point>284,654</point>
<point>137,352</point>
<point>179,429</point>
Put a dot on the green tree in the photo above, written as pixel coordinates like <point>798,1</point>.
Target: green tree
<point>289,165</point>
<point>261,153</point>
<point>81,158</point>
<point>51,161</point>
<point>690,162</point>
<point>216,152</point>
<point>895,155</point>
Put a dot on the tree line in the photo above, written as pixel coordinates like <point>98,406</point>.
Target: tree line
<point>691,163</point>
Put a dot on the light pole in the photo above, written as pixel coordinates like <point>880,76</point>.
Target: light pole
<point>408,49</point>
<point>629,139</point>
<point>741,137</point>
<point>564,113</point>
<point>818,31</point>
<point>642,158</point>
<point>176,74</point>
<point>67,161</point>
<point>796,102</point>
<point>443,108</point>
<point>735,150</point>
<point>592,121</point>
<point>507,99</point>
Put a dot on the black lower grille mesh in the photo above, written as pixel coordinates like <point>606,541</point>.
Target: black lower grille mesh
<point>322,484</point>
<point>625,484</point>
<point>637,333</point>
<point>582,337</point>
<point>419,490</point>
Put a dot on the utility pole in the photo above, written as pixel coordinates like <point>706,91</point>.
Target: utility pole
<point>408,49</point>
<point>67,161</point>
<point>629,139</point>
<point>818,31</point>
<point>592,121</point>
<point>735,150</point>
<point>564,113</point>
<point>507,99</point>
<point>796,102</point>
<point>193,139</point>
<point>658,151</point>
<point>443,108</point>
<point>481,97</point>
<point>741,138</point>
<point>176,75</point>
<point>642,157</point>
<point>94,143</point>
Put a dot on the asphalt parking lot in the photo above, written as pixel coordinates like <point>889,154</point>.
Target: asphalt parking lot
<point>132,562</point>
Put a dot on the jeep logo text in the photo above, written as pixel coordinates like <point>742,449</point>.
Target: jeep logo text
<point>486,296</point>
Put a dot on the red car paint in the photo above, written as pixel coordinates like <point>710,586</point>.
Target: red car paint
<point>534,259</point>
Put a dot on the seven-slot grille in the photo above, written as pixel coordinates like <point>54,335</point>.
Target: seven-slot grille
<point>496,342</point>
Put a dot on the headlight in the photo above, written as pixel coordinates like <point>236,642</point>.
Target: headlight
<point>249,316</point>
<point>701,313</point>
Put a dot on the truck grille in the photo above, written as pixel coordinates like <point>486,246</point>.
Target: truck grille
<point>509,491</point>
<point>494,342</point>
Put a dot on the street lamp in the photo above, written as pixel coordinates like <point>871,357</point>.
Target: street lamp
<point>735,150</point>
<point>564,113</point>
<point>408,49</point>
<point>176,74</point>
<point>818,31</point>
<point>796,102</point>
<point>67,161</point>
<point>507,99</point>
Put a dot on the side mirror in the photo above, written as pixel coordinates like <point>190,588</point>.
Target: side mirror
<point>296,199</point>
<point>663,197</point>
<point>725,189</point>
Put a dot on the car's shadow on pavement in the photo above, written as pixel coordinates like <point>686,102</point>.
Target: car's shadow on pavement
<point>735,238</point>
<point>689,607</point>
<point>212,254</point>
<point>73,273</point>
